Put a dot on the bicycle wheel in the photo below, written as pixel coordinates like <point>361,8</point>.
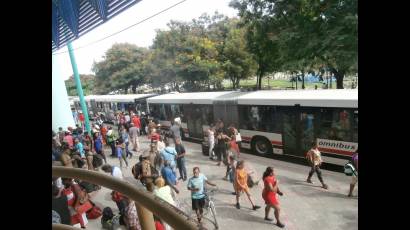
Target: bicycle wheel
<point>213,213</point>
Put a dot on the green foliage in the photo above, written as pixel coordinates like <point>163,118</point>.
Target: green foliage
<point>307,33</point>
<point>122,67</point>
<point>87,83</point>
<point>236,62</point>
<point>294,36</point>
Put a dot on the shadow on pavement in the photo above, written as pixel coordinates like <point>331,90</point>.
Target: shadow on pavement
<point>242,214</point>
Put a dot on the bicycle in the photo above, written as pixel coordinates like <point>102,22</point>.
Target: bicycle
<point>210,206</point>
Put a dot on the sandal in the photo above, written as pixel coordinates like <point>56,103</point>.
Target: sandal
<point>280,225</point>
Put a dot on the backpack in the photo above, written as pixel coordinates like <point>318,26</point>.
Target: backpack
<point>111,138</point>
<point>88,187</point>
<point>97,160</point>
<point>349,169</point>
<point>109,220</point>
<point>56,219</point>
<point>146,168</point>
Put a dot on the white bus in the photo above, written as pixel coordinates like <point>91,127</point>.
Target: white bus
<point>107,105</point>
<point>271,122</point>
<point>287,122</point>
<point>194,109</point>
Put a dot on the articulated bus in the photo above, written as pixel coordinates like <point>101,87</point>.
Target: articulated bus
<point>107,105</point>
<point>194,109</point>
<point>283,122</point>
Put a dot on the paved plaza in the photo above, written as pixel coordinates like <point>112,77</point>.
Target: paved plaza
<point>303,206</point>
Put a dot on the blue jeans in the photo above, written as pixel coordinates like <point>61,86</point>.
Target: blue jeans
<point>182,168</point>
<point>129,153</point>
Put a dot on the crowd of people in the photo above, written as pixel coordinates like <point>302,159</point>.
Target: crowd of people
<point>157,170</point>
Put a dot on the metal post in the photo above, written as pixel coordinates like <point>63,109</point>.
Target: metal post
<point>79,88</point>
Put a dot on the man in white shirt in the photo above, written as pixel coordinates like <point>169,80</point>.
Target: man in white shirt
<point>113,170</point>
<point>127,118</point>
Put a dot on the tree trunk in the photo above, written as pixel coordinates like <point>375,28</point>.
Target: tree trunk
<point>339,75</point>
<point>260,76</point>
<point>296,80</point>
<point>257,80</point>
<point>233,82</point>
<point>303,79</point>
<point>237,83</point>
<point>134,89</point>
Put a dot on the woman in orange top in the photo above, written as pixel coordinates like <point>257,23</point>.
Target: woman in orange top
<point>269,195</point>
<point>241,184</point>
<point>104,134</point>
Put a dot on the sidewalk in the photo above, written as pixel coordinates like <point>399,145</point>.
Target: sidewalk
<point>303,206</point>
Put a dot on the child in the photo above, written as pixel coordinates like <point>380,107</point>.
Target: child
<point>120,146</point>
<point>109,220</point>
<point>231,173</point>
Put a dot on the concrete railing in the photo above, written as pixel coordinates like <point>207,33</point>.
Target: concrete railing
<point>145,202</point>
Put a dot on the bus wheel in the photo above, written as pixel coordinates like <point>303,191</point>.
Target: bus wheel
<point>261,146</point>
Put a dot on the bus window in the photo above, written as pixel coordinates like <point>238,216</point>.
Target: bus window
<point>260,118</point>
<point>175,111</point>
<point>355,125</point>
<point>162,113</point>
<point>155,110</point>
<point>168,112</point>
<point>336,124</point>
<point>207,115</point>
<point>307,119</point>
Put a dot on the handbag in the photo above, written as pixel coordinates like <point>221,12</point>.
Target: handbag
<point>238,137</point>
<point>82,208</point>
<point>82,194</point>
<point>94,212</point>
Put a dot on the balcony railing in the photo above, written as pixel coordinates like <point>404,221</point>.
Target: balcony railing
<point>146,203</point>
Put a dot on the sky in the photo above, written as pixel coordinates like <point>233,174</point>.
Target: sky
<point>140,35</point>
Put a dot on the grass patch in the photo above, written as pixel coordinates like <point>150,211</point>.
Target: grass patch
<point>275,84</point>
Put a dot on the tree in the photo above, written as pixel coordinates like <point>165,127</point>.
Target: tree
<point>340,41</point>
<point>121,68</point>
<point>87,83</point>
<point>165,49</point>
<point>237,62</point>
<point>261,39</point>
<point>307,32</point>
<point>187,54</point>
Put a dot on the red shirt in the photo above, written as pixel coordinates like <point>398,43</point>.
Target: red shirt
<point>155,137</point>
<point>81,117</point>
<point>159,226</point>
<point>267,195</point>
<point>70,141</point>
<point>343,115</point>
<point>136,121</point>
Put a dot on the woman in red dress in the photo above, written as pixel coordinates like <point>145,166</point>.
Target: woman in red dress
<point>269,195</point>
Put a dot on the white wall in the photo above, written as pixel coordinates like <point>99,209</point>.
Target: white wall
<point>62,116</point>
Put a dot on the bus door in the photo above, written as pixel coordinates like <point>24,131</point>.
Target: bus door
<point>194,121</point>
<point>308,122</point>
<point>299,129</point>
<point>291,137</point>
<point>227,112</point>
<point>93,108</point>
